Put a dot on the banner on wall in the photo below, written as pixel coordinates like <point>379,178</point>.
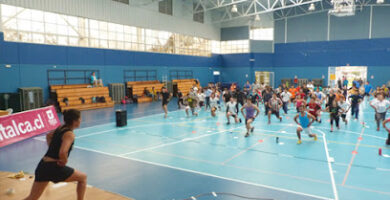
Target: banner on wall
<point>23,125</point>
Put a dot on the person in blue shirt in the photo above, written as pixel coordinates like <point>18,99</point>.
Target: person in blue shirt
<point>367,89</point>
<point>356,83</point>
<point>93,79</point>
<point>345,82</point>
<point>208,94</point>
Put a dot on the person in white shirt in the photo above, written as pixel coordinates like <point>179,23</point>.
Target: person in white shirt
<point>285,99</point>
<point>201,98</point>
<point>320,95</point>
<point>310,86</point>
<point>195,88</point>
<point>213,104</point>
<point>232,111</point>
<point>381,105</point>
<point>345,106</point>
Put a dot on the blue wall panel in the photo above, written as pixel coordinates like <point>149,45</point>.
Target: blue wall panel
<point>306,29</point>
<point>85,56</point>
<point>279,31</point>
<point>9,78</point>
<point>380,22</point>
<point>352,27</point>
<point>258,46</point>
<point>42,54</point>
<point>235,33</point>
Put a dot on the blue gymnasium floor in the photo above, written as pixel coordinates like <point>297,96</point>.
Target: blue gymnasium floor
<point>180,157</point>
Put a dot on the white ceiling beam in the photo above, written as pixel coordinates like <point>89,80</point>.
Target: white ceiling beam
<point>265,10</point>
<point>221,4</point>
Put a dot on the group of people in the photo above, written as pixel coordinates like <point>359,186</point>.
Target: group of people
<point>310,102</point>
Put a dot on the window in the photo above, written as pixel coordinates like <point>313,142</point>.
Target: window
<point>198,13</point>
<point>262,34</point>
<point>165,6</point>
<point>34,26</point>
<point>234,46</point>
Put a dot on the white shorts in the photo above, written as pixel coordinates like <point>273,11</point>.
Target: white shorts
<point>306,130</point>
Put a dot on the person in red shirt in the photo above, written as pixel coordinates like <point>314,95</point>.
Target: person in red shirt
<point>301,93</point>
<point>299,102</point>
<point>315,108</point>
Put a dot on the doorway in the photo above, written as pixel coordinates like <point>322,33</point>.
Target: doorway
<point>265,77</point>
<point>351,73</point>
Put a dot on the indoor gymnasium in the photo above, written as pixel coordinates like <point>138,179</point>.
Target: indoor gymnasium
<point>194,99</point>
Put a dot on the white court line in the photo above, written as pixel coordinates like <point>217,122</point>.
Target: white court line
<point>176,142</point>
<point>128,119</point>
<point>207,174</point>
<point>334,187</point>
<point>124,128</point>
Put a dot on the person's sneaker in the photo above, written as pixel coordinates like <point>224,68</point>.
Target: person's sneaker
<point>253,128</point>
<point>240,120</point>
<point>299,142</point>
<point>228,123</point>
<point>280,119</point>
<point>315,138</point>
<point>331,129</point>
<point>377,129</point>
<point>247,134</point>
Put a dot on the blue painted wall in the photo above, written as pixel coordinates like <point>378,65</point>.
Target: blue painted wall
<point>30,62</point>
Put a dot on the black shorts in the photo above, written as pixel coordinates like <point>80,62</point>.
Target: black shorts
<point>380,116</point>
<point>165,103</point>
<point>343,116</point>
<point>201,103</point>
<point>275,112</point>
<point>367,94</point>
<point>246,119</point>
<point>50,171</point>
<point>232,114</point>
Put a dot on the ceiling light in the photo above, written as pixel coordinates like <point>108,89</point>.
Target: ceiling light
<point>380,1</point>
<point>257,18</point>
<point>234,8</point>
<point>312,7</point>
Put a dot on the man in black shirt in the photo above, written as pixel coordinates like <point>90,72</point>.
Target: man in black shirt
<point>266,97</point>
<point>165,100</point>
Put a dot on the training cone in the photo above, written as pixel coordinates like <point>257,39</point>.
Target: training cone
<point>380,151</point>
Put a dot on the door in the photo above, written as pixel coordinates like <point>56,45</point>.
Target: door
<point>268,78</point>
<point>349,73</point>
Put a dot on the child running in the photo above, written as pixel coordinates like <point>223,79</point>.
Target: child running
<point>380,105</point>
<point>274,105</point>
<point>285,99</point>
<point>232,111</point>
<point>190,101</point>
<point>249,115</point>
<point>213,104</point>
<point>305,121</point>
<point>299,102</point>
<point>344,106</point>
<point>315,108</point>
<point>334,109</point>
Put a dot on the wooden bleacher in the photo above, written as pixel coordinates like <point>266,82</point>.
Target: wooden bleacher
<point>74,92</point>
<point>139,86</point>
<point>185,85</point>
<point>53,88</point>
